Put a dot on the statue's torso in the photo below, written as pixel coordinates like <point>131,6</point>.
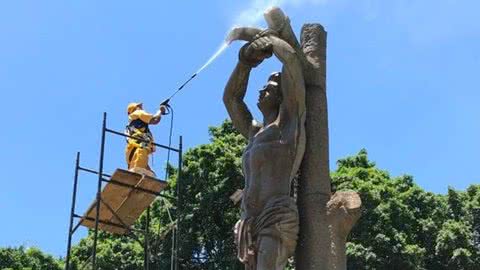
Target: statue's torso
<point>267,165</point>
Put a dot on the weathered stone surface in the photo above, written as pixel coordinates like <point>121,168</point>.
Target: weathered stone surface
<point>324,220</point>
<point>267,233</point>
<point>314,182</point>
<point>343,211</point>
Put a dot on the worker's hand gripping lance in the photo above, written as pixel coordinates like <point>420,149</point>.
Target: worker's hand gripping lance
<point>165,108</point>
<point>166,101</point>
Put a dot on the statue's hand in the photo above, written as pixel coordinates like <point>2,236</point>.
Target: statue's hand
<point>253,53</point>
<point>265,33</point>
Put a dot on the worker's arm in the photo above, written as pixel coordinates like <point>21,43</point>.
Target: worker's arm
<point>157,116</point>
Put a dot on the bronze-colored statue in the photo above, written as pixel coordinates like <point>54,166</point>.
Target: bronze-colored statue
<point>267,233</point>
<point>293,136</point>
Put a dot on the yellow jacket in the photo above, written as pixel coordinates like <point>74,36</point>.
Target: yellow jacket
<point>141,131</point>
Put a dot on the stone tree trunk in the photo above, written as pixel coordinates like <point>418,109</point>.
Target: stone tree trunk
<point>325,220</point>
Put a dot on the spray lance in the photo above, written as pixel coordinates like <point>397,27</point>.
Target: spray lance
<point>276,21</point>
<point>213,57</point>
<point>241,33</point>
<point>209,61</point>
<point>166,101</point>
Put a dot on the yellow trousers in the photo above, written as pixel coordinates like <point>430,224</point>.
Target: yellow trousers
<point>137,159</point>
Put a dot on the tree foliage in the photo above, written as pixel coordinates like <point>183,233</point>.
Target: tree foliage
<point>27,258</point>
<point>402,226</point>
<point>211,173</point>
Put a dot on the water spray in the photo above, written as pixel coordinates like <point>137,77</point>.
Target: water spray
<point>243,33</point>
<point>209,61</point>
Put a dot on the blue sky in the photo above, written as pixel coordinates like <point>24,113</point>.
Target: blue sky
<point>402,83</point>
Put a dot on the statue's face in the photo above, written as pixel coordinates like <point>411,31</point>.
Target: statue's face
<point>270,95</point>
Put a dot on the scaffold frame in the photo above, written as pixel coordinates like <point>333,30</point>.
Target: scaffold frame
<point>130,231</point>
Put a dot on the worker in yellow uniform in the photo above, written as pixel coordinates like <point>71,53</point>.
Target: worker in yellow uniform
<point>141,146</point>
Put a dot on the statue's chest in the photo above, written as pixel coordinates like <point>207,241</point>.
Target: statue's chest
<point>271,133</point>
<point>265,146</point>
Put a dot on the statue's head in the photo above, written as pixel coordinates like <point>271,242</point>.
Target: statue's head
<point>270,96</point>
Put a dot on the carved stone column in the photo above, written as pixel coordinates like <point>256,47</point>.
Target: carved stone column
<point>325,220</point>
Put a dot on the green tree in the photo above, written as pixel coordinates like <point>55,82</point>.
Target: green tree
<point>28,258</point>
<point>402,226</point>
<point>211,172</point>
<point>454,247</point>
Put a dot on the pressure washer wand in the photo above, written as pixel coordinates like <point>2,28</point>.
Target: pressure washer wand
<point>165,102</point>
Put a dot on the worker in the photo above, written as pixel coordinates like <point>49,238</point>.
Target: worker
<point>141,146</point>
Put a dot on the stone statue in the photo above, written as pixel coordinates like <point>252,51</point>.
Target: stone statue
<point>293,137</point>
<point>267,233</point>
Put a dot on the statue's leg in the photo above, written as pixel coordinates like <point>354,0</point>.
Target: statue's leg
<point>271,254</point>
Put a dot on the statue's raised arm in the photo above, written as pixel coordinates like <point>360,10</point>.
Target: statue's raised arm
<point>268,231</point>
<point>236,87</point>
<point>233,99</point>
<point>292,107</point>
<point>291,98</point>
<point>271,224</point>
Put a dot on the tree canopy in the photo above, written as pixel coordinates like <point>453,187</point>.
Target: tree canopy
<point>27,258</point>
<point>402,226</point>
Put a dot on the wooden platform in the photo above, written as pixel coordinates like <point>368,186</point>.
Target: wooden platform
<point>127,203</point>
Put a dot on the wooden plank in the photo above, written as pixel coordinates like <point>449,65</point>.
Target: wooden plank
<point>127,203</point>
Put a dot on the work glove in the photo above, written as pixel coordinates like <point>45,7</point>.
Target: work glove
<point>163,109</point>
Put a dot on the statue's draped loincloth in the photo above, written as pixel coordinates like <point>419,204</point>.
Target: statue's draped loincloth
<point>278,219</point>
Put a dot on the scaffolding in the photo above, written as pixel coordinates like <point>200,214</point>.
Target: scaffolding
<point>122,200</point>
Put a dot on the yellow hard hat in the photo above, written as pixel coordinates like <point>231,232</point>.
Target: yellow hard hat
<point>133,106</point>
